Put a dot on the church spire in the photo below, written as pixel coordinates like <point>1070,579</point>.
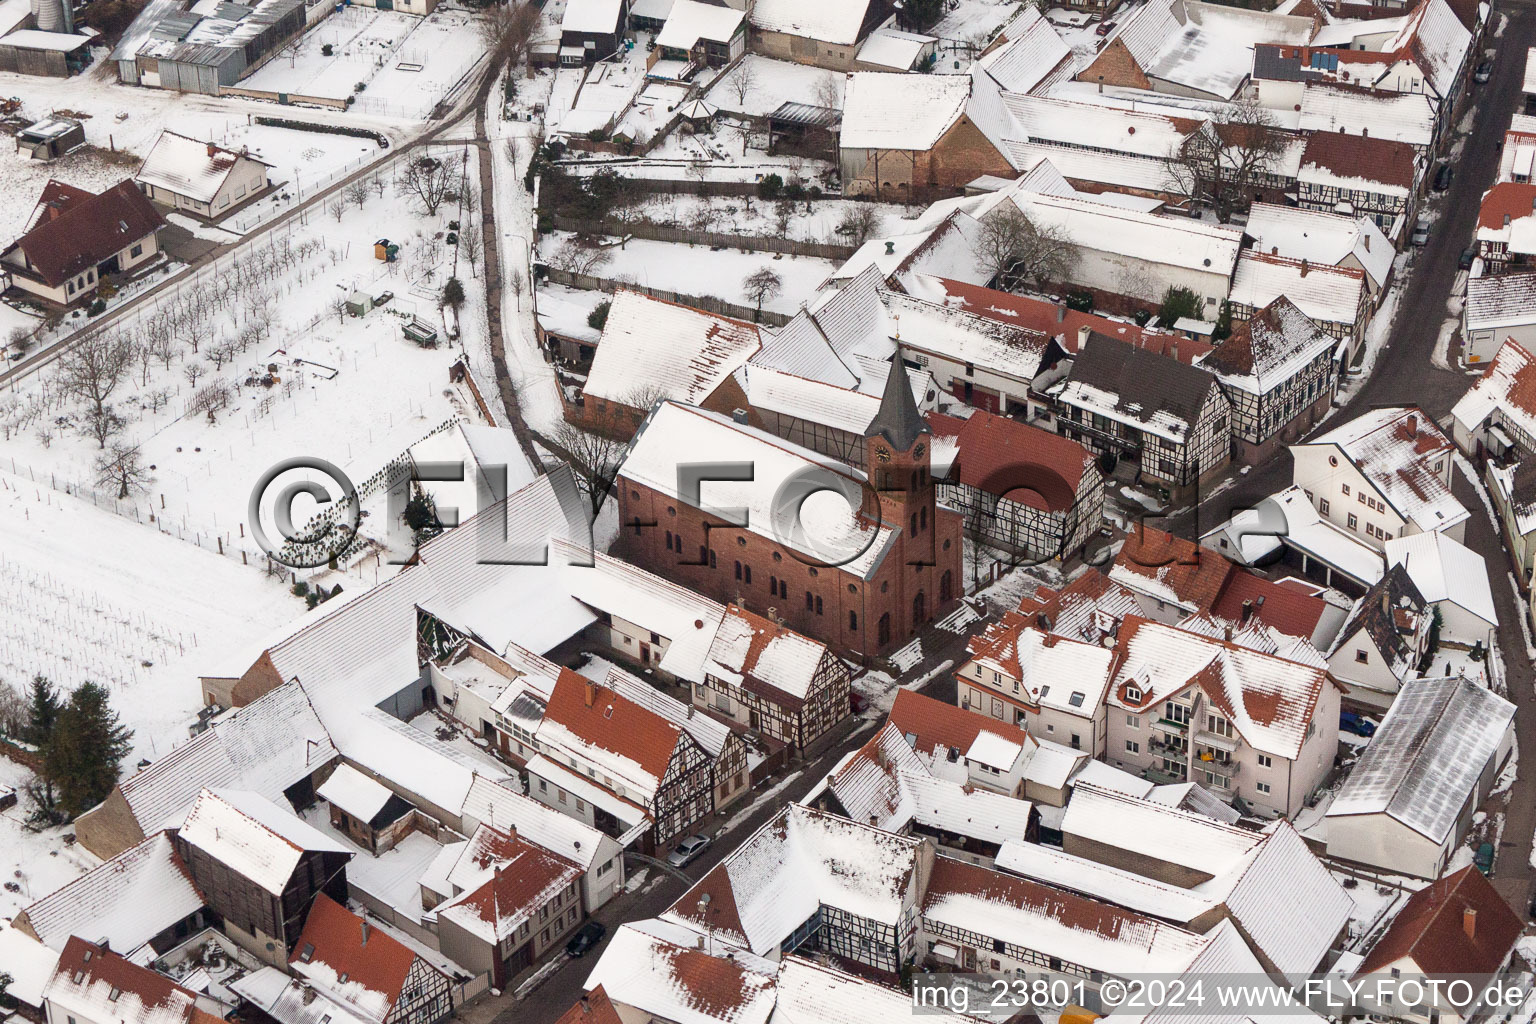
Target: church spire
<point>898,419</point>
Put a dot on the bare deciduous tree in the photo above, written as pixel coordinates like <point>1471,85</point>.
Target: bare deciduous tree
<point>338,207</point>
<point>122,467</point>
<point>192,371</point>
<point>1012,248</point>
<point>427,180</point>
<point>580,254</point>
<point>595,457</point>
<point>828,92</point>
<point>93,367</point>
<point>1224,161</point>
<point>761,285</point>
<point>469,247</point>
<point>742,83</point>
<point>508,30</point>
<point>101,424</point>
<point>859,223</point>
<point>357,193</point>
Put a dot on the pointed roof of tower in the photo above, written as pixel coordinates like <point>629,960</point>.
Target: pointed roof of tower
<point>898,419</point>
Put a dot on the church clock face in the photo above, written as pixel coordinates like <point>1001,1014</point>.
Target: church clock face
<point>883,454</point>
<point>918,451</point>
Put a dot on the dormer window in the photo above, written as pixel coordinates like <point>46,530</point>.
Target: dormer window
<point>1132,693</point>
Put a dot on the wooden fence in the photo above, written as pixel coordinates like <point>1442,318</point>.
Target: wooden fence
<point>677,233</point>
<point>708,303</point>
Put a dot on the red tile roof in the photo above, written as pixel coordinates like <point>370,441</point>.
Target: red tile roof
<point>79,233</point>
<point>526,877</point>
<point>610,722</point>
<point>1361,156</point>
<point>1286,608</point>
<point>941,726</point>
<point>1051,319</point>
<point>1002,456</point>
<point>1432,927</point>
<point>368,957</point>
<point>88,973</point>
<point>1512,199</point>
<point>593,1008</point>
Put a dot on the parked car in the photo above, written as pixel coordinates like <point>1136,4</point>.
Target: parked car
<point>686,850</point>
<point>587,936</point>
<point>857,702</point>
<point>1484,858</point>
<point>1358,724</point>
<point>1467,256</point>
<point>1104,29</point>
<point>1443,177</point>
<point>1483,73</point>
<point>1420,233</point>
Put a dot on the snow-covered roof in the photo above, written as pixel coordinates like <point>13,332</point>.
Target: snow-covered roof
<point>812,19</point>
<point>1103,882</point>
<point>816,993</point>
<point>1054,922</point>
<point>1269,349</point>
<point>1097,126</point>
<point>709,733</point>
<point>829,525</point>
<point>799,860</point>
<point>1093,166</point>
<point>1212,52</point>
<point>653,349</point>
<point>29,963</point>
<point>690,21</point>
<point>687,621</point>
<point>893,110</point>
<point>1508,387</point>
<point>749,650</point>
<point>1156,831</point>
<point>188,167</point>
<point>1270,701</point>
<point>288,1001</point>
<point>1034,49</point>
<point>1403,454</point>
<point>1427,755</point>
<point>354,792</point>
<point>516,879</point>
<point>1318,237</point>
<point>1106,776</point>
<point>126,901</point>
<point>1324,293</point>
<point>629,745</point>
<point>1399,116</point>
<point>595,16</point>
<point>1183,242</point>
<point>671,981</point>
<point>253,837</point>
<point>1507,300</point>
<point>352,961</point>
<point>97,984</point>
<point>413,762</point>
<point>1065,674</point>
<point>1291,516</point>
<point>1137,387</point>
<point>893,48</point>
<point>1444,569</point>
<point>491,803</point>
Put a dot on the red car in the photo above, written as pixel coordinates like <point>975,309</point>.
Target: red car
<point>857,702</point>
<point>1104,29</point>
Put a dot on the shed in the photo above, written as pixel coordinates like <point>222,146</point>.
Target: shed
<point>369,814</point>
<point>30,51</point>
<point>50,138</point>
<point>359,302</point>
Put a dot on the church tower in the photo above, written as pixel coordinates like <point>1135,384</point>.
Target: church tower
<point>897,451</point>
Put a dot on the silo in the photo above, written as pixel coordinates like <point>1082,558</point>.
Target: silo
<point>53,15</point>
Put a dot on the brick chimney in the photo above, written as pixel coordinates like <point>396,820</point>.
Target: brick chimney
<point>1305,266</point>
<point>1247,612</point>
<point>1367,242</point>
<point>213,151</point>
<point>1469,922</point>
<point>1413,426</point>
<point>590,693</point>
<point>365,932</point>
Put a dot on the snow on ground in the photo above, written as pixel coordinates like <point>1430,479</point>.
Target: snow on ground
<point>37,863</point>
<point>974,21</point>
<point>770,82</point>
<point>698,270</point>
<point>811,221</point>
<point>350,390</point>
<point>95,596</point>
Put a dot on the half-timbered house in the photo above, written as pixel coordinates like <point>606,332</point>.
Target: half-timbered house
<point>259,868</point>
<point>373,975</point>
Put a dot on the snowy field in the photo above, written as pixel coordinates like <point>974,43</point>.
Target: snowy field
<point>298,377</point>
<point>404,63</point>
<point>811,221</point>
<point>698,270</point>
